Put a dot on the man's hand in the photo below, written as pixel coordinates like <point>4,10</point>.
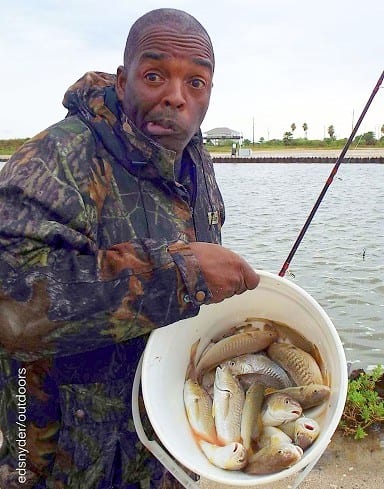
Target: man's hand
<point>225,272</point>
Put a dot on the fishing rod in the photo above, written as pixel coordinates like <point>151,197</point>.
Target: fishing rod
<point>330,179</point>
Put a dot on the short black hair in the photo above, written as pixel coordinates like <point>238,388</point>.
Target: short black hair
<point>164,16</point>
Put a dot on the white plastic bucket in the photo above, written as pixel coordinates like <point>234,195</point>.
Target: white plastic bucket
<point>166,358</point>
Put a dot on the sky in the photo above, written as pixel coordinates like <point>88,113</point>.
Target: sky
<point>278,62</point>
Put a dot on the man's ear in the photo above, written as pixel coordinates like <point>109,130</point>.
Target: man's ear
<point>121,80</point>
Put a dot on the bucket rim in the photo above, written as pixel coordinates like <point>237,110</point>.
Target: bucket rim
<point>314,452</point>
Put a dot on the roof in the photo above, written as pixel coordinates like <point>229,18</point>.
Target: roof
<point>222,133</point>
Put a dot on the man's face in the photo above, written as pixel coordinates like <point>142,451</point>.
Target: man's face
<point>165,88</point>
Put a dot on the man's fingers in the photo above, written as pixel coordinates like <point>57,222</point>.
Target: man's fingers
<point>251,278</point>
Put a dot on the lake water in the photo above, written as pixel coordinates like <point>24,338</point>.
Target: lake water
<point>340,261</point>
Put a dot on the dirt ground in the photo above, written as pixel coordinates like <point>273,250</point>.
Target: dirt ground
<point>345,464</point>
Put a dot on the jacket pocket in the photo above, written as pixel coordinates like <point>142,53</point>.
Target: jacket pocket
<point>88,436</point>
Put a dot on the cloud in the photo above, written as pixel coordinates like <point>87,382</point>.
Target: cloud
<point>278,62</point>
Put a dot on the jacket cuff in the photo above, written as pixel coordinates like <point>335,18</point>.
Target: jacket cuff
<point>196,289</point>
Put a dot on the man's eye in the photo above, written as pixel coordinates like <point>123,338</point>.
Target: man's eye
<point>152,77</point>
<point>197,83</point>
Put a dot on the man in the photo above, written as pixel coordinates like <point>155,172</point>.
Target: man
<point>109,227</point>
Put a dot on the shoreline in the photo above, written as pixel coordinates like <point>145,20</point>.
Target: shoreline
<point>294,155</point>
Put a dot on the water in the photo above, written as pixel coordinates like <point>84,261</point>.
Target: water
<point>340,261</point>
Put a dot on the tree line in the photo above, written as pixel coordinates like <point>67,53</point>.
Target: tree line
<point>368,138</point>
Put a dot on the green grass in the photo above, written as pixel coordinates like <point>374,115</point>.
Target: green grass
<point>9,146</point>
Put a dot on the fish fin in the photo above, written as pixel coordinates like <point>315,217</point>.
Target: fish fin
<point>191,370</point>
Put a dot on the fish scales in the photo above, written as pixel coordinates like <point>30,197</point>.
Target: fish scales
<point>300,365</point>
<point>259,363</point>
<point>228,403</point>
<point>232,346</point>
<point>198,407</point>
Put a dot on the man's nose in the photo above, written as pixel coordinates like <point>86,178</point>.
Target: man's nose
<point>175,94</point>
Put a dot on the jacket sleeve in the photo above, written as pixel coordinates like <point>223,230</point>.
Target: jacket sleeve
<point>59,293</point>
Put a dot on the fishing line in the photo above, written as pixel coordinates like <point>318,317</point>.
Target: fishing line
<point>330,179</point>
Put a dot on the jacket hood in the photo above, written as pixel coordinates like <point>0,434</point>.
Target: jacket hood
<point>93,99</point>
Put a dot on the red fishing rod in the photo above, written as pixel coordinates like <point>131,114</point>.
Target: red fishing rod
<point>330,179</point>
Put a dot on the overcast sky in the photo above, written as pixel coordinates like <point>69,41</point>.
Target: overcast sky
<point>278,62</point>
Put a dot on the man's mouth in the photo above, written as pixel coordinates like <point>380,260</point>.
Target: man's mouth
<point>159,128</point>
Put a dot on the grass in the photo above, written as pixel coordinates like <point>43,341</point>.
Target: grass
<point>9,146</point>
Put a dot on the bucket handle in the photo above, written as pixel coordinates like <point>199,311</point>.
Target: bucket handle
<point>156,449</point>
<point>303,474</point>
<point>163,456</point>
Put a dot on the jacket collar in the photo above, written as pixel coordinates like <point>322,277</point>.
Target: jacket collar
<point>94,100</point>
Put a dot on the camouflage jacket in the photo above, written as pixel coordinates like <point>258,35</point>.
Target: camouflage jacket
<point>95,221</point>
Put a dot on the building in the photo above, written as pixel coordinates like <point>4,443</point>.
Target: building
<point>214,136</point>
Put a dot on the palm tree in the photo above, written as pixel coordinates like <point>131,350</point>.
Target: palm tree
<point>331,132</point>
<point>293,127</point>
<point>305,129</point>
<point>287,138</point>
<point>382,130</point>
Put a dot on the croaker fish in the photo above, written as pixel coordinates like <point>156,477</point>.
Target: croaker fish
<point>308,396</point>
<point>228,402</point>
<point>278,409</point>
<point>230,457</point>
<point>303,431</point>
<point>258,363</point>
<point>290,335</point>
<point>251,426</point>
<point>269,382</point>
<point>271,431</point>
<point>274,457</point>
<point>233,346</point>
<point>208,380</point>
<point>198,406</point>
<point>300,365</point>
<point>306,432</point>
<point>248,325</point>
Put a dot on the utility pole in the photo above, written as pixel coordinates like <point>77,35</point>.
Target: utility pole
<point>253,132</point>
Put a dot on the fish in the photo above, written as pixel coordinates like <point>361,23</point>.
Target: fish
<point>198,407</point>
<point>306,432</point>
<point>308,396</point>
<point>258,363</point>
<point>230,457</point>
<point>269,432</point>
<point>250,427</point>
<point>232,346</point>
<point>247,325</point>
<point>271,384</point>
<point>303,431</point>
<point>274,457</point>
<point>278,409</point>
<point>300,365</point>
<point>290,335</point>
<point>208,380</point>
<point>228,402</point>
